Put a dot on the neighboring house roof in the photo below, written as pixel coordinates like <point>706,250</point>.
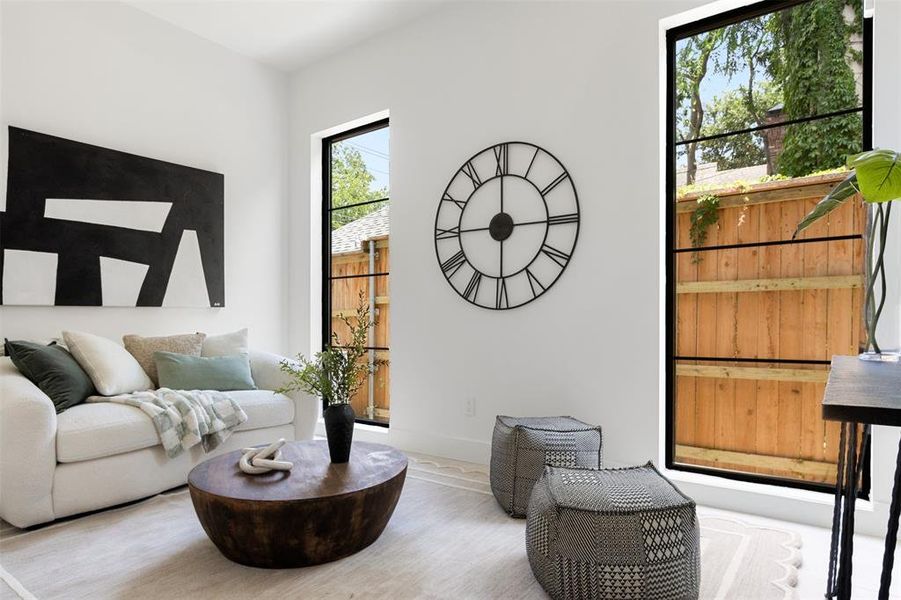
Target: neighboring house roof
<point>350,237</point>
<point>708,174</point>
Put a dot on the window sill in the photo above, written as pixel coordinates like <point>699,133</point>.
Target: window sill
<point>722,484</point>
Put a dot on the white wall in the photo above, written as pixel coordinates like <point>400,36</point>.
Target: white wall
<point>580,79</point>
<point>887,134</point>
<point>111,75</point>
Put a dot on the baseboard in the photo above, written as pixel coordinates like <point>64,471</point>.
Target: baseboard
<point>437,444</point>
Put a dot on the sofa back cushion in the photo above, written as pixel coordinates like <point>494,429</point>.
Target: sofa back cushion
<point>223,373</point>
<point>142,348</point>
<point>53,370</point>
<point>112,369</point>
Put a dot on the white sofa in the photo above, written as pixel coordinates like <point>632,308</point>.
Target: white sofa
<point>97,455</point>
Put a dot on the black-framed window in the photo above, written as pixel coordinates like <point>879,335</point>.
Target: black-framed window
<point>355,251</point>
<point>764,103</point>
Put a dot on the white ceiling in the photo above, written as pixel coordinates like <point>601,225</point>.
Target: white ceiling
<point>286,34</point>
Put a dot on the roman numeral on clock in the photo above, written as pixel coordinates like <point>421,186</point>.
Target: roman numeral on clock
<point>448,234</point>
<point>554,183</point>
<point>501,298</point>
<point>470,171</point>
<point>558,256</point>
<point>453,264</point>
<point>533,281</point>
<point>472,288</point>
<point>460,203</point>
<point>532,162</point>
<point>502,157</point>
<point>563,219</point>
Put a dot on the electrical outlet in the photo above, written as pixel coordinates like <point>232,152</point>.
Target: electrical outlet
<point>469,408</point>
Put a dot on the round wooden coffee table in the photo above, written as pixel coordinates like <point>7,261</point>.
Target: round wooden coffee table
<point>315,513</point>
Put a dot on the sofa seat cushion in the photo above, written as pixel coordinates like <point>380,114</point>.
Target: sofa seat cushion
<point>264,408</point>
<point>94,430</point>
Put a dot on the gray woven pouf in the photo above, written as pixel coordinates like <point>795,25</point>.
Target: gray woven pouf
<point>613,533</point>
<point>522,446</point>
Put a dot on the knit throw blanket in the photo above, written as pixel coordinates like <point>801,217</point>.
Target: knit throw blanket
<point>185,418</point>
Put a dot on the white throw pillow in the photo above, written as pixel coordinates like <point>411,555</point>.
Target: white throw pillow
<point>227,344</point>
<point>112,369</point>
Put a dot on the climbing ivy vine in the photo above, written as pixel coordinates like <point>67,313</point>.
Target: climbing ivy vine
<point>816,79</point>
<point>705,215</point>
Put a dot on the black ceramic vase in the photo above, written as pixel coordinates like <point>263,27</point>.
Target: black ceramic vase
<point>339,431</point>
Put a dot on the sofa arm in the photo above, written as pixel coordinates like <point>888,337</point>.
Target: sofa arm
<point>27,449</point>
<point>267,374</point>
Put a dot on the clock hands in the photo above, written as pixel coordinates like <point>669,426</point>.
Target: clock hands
<point>542,222</point>
<point>501,271</point>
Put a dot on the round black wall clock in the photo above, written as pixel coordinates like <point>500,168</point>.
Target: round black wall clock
<point>507,225</point>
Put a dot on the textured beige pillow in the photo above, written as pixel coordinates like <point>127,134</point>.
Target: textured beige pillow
<point>142,348</point>
<point>112,369</point>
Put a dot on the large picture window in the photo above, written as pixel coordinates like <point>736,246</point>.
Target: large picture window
<point>355,264</point>
<point>764,105</point>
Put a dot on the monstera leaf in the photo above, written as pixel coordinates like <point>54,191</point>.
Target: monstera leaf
<point>847,188</point>
<point>878,174</point>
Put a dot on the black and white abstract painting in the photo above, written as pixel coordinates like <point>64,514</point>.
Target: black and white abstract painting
<point>89,226</point>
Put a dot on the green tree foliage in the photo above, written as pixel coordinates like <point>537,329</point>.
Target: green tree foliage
<point>351,184</point>
<point>732,112</point>
<point>816,79</point>
<point>799,57</point>
<point>692,64</point>
<point>750,49</point>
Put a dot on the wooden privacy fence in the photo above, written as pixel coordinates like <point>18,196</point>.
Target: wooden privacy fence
<point>756,327</point>
<point>345,296</point>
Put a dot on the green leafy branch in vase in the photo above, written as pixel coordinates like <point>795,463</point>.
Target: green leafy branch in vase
<point>336,373</point>
<point>876,176</point>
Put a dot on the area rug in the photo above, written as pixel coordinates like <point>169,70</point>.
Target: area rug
<point>448,538</point>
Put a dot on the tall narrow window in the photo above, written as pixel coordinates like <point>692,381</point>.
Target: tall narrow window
<point>765,103</point>
<point>355,237</point>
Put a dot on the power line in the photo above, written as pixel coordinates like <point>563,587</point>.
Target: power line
<point>377,153</point>
<point>368,149</point>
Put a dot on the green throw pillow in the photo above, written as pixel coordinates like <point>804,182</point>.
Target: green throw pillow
<point>53,370</point>
<point>223,373</point>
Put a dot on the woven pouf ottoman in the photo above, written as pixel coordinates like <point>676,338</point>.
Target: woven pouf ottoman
<point>613,533</point>
<point>522,446</point>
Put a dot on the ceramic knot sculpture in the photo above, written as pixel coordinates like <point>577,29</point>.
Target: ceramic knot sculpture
<point>256,461</point>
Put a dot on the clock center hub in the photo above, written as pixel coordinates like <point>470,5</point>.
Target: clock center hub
<point>501,226</point>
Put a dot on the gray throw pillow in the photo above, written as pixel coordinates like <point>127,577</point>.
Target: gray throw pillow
<point>222,373</point>
<point>53,370</point>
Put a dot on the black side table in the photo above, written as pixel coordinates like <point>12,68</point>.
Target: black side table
<point>860,394</point>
